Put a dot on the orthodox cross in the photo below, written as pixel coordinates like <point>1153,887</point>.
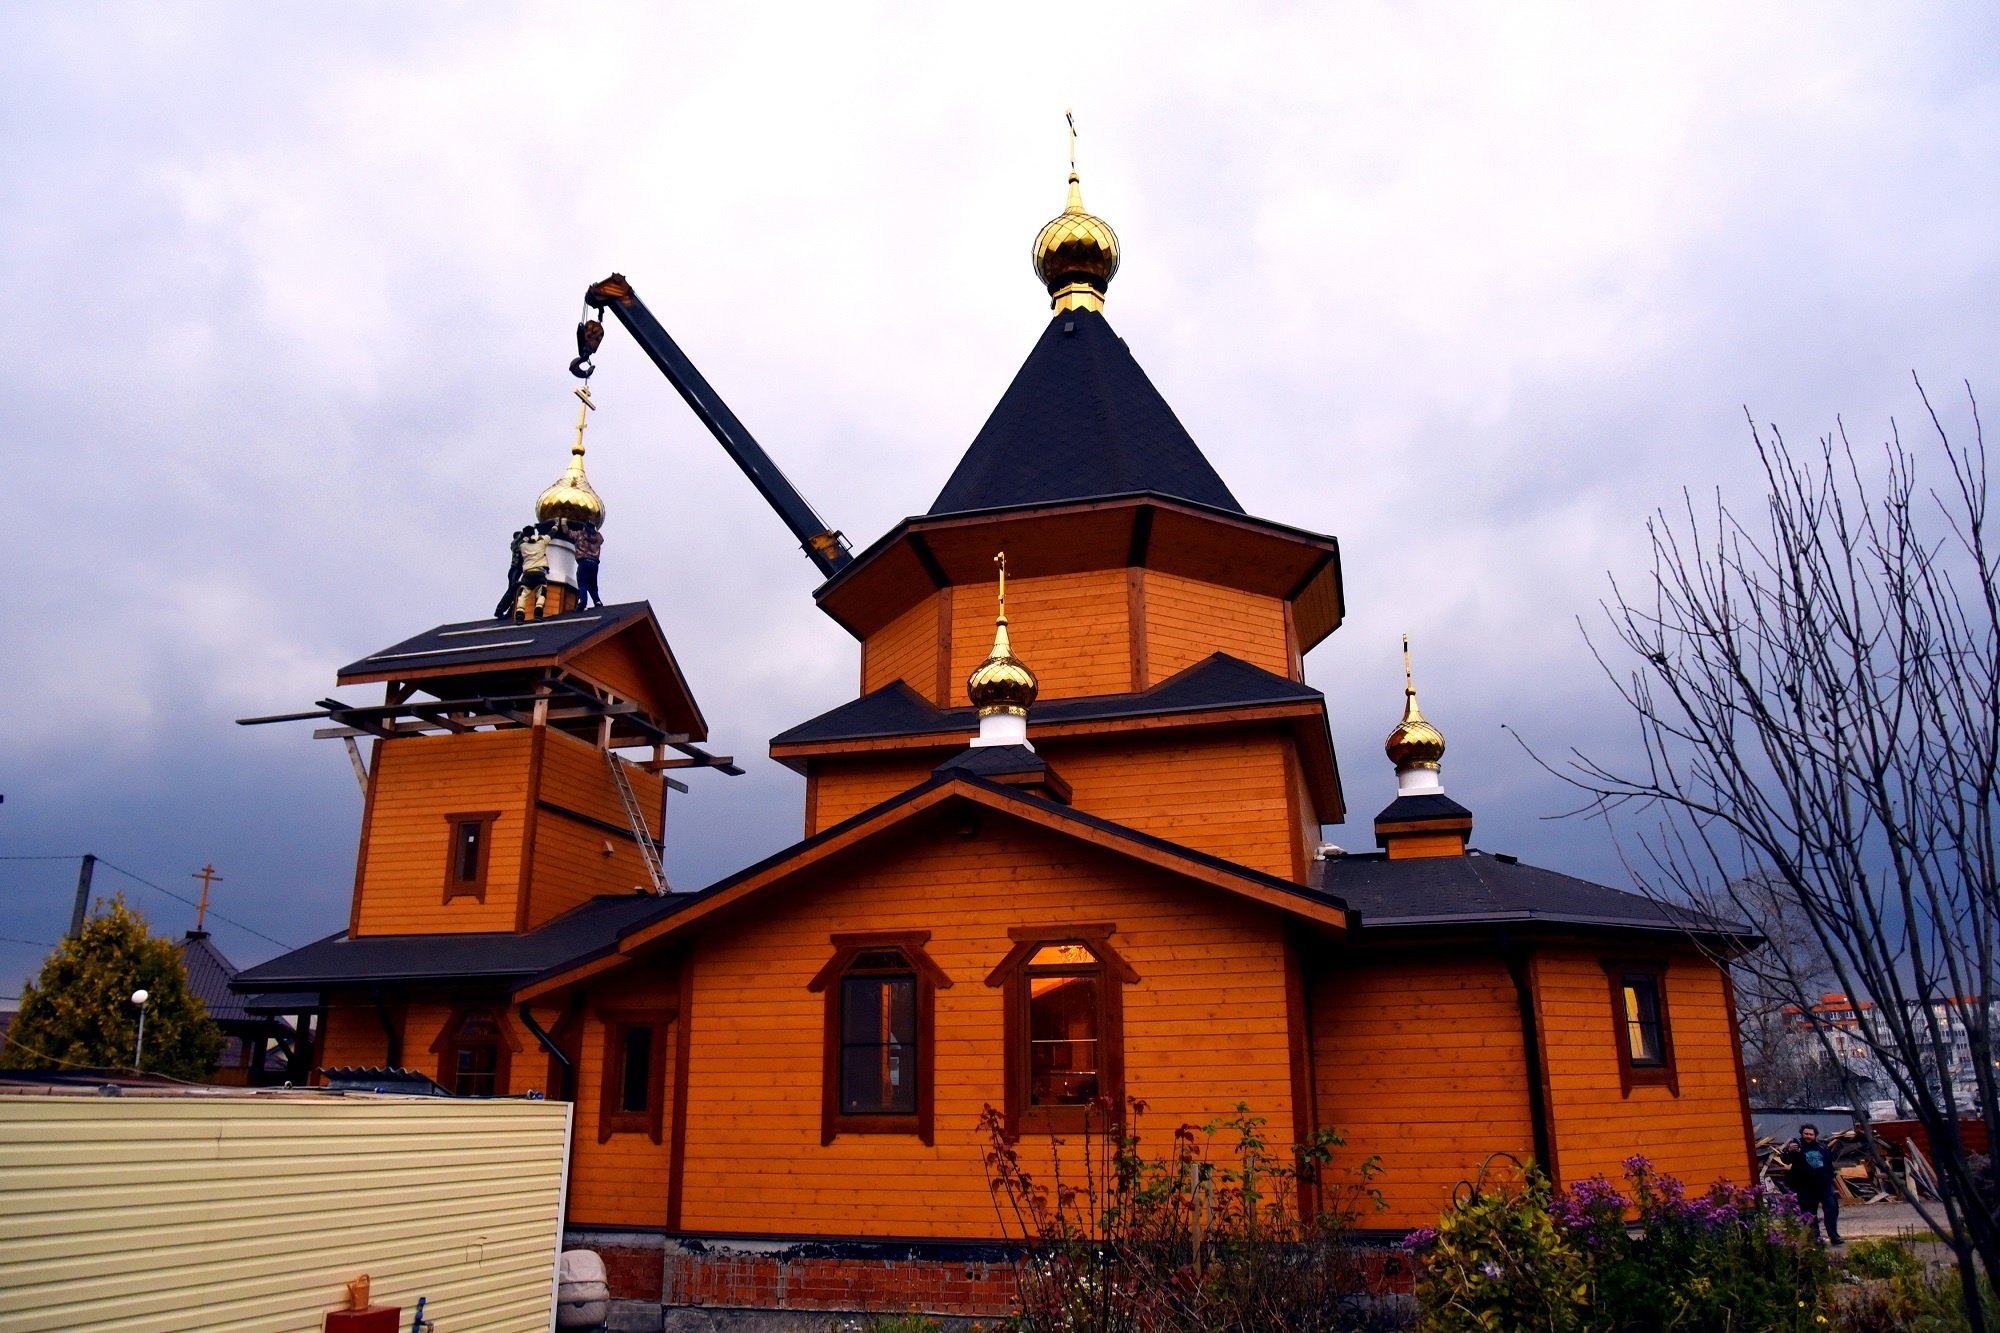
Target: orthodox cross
<point>1409,682</point>
<point>1001,560</point>
<point>206,875</point>
<point>583,414</point>
<point>1070,116</point>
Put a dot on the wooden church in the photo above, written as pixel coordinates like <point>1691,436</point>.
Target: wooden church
<point>1065,845</point>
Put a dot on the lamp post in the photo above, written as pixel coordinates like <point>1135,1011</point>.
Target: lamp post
<point>139,997</point>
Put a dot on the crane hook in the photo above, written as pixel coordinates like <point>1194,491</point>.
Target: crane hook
<point>589,336</point>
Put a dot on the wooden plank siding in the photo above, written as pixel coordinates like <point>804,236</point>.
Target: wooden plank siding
<point>570,864</point>
<point>1228,793</point>
<point>624,665</point>
<point>1697,1135</point>
<point>1072,629</point>
<point>621,1181</point>
<point>1205,1027</point>
<point>905,649</point>
<point>405,852</point>
<point>1418,1059</point>
<point>1188,620</point>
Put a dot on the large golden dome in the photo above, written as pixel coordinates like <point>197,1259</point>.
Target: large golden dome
<point>571,496</point>
<point>1076,255</point>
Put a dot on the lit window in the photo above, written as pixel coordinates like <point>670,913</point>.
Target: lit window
<point>1064,1005</point>
<point>1642,1020</point>
<point>1063,1025</point>
<point>1645,1041</point>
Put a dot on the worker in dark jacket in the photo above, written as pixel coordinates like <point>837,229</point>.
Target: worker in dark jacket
<point>506,607</point>
<point>589,542</point>
<point>1809,1172</point>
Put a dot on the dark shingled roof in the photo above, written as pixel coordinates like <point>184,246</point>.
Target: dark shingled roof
<point>339,961</point>
<point>993,761</point>
<point>209,975</point>
<point>1431,805</point>
<point>1219,681</point>
<point>494,642</point>
<point>1080,421</point>
<point>1478,889</point>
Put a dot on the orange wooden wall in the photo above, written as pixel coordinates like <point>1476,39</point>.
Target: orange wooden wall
<point>1205,1027</point>
<point>621,1181</point>
<point>1077,631</point>
<point>1418,1058</point>
<point>407,842</point>
<point>1188,620</point>
<point>1697,1136</point>
<point>570,864</point>
<point>905,649</point>
<point>1228,793</point>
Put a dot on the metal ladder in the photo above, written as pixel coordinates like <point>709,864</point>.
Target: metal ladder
<point>649,851</point>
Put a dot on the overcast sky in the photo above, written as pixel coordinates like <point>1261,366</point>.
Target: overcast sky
<point>286,301</point>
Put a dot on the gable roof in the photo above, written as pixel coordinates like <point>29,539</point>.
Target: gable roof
<point>1479,889</point>
<point>338,961</point>
<point>572,641</point>
<point>1216,682</point>
<point>671,918</point>
<point>1080,421</point>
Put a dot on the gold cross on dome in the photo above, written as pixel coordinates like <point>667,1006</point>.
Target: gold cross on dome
<point>1070,116</point>
<point>583,414</point>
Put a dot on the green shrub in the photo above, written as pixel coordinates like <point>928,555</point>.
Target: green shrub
<point>1596,1260</point>
<point>1882,1259</point>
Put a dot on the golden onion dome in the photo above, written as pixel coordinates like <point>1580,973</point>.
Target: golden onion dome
<point>1415,743</point>
<point>1002,683</point>
<point>571,496</point>
<point>1076,255</point>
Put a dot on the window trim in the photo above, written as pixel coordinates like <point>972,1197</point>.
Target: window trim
<point>1011,977</point>
<point>446,1046</point>
<point>454,887</point>
<point>930,980</point>
<point>611,1117</point>
<point>1630,1075</point>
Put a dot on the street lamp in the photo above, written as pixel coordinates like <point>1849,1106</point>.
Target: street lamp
<point>139,997</point>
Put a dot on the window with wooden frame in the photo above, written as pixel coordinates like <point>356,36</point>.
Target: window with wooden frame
<point>632,1086</point>
<point>475,1052</point>
<point>1065,1047</point>
<point>469,854</point>
<point>881,1005</point>
<point>1641,1025</point>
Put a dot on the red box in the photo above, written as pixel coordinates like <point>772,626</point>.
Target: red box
<point>374,1319</point>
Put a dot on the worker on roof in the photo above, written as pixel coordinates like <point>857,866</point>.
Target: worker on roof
<point>514,564</point>
<point>588,539</point>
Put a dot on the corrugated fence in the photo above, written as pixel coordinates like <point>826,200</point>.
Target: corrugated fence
<point>170,1213</point>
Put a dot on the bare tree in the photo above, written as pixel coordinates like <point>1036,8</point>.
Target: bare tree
<point>1818,693</point>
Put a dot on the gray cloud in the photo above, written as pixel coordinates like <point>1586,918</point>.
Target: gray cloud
<point>285,299</point>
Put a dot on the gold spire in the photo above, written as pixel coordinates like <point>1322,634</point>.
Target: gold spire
<point>571,496</point>
<point>1415,743</point>
<point>1002,683</point>
<point>1076,252</point>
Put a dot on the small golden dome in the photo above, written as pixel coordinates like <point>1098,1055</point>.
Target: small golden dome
<point>1002,683</point>
<point>1415,743</point>
<point>571,496</point>
<point>1076,255</point>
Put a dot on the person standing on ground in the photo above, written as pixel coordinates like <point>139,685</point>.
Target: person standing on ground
<point>1809,1171</point>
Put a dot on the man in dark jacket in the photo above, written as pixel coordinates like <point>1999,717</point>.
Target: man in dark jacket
<point>1809,1172</point>
<point>506,607</point>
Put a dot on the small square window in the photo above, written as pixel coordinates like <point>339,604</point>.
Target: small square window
<point>469,854</point>
<point>632,1093</point>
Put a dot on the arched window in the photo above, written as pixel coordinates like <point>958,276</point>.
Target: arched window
<point>1065,1010</point>
<point>880,990</point>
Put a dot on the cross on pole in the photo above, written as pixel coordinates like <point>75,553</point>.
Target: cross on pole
<point>206,875</point>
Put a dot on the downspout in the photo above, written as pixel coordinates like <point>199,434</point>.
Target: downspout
<point>1516,959</point>
<point>393,1055</point>
<point>567,1092</point>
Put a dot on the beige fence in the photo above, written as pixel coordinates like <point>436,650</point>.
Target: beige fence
<point>165,1213</point>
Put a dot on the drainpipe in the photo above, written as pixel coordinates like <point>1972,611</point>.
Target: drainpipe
<point>1516,958</point>
<point>567,1092</point>
<point>393,1056</point>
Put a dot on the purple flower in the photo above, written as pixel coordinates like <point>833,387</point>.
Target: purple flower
<point>1420,1239</point>
<point>1490,1269</point>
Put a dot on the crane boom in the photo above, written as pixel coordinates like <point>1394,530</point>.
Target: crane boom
<point>826,547</point>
